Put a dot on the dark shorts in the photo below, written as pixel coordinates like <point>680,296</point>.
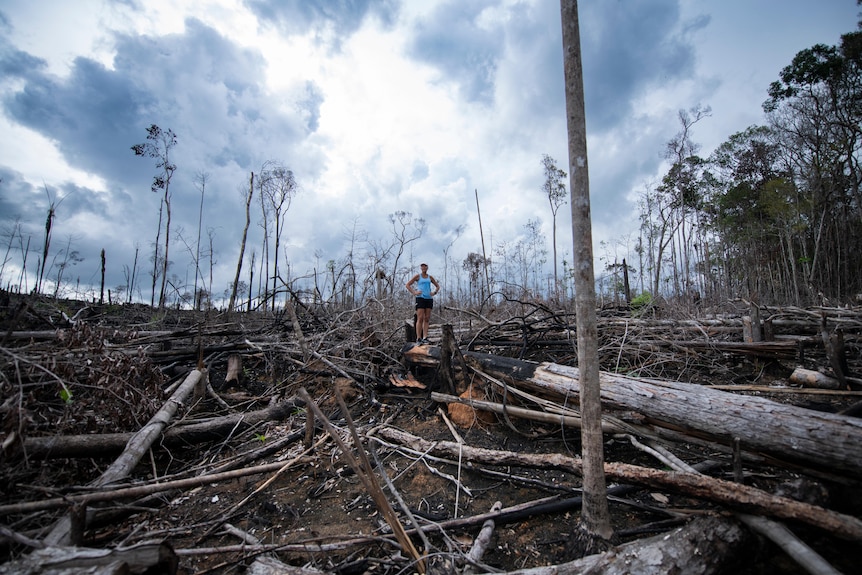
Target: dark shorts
<point>424,303</point>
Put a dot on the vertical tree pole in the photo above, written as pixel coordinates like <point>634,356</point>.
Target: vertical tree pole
<point>159,146</point>
<point>595,516</point>
<point>102,290</point>
<point>235,285</point>
<point>484,255</point>
<point>202,178</point>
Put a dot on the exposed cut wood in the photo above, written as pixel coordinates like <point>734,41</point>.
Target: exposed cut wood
<point>234,368</point>
<point>811,378</point>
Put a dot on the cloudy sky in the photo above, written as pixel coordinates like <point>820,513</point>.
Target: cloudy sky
<point>377,106</point>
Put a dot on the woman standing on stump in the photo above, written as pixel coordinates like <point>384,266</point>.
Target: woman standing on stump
<point>424,300</point>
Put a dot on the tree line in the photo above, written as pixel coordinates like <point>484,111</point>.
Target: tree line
<point>775,212</point>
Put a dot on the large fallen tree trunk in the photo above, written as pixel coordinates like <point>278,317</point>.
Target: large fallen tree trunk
<point>735,495</point>
<point>705,545</point>
<point>105,444</point>
<point>815,438</point>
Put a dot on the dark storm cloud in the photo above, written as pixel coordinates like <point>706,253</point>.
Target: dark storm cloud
<point>205,88</point>
<point>88,114</point>
<point>344,16</point>
<point>197,83</point>
<point>452,40</point>
<point>17,64</point>
<point>19,199</point>
<point>197,80</point>
<point>534,39</point>
<point>630,47</point>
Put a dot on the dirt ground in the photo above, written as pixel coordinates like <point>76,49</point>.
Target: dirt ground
<point>316,499</point>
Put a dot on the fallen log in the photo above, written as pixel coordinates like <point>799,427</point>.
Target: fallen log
<point>813,438</point>
<point>738,496</point>
<point>105,444</point>
<point>144,557</point>
<point>141,441</point>
<point>65,530</point>
<point>705,545</point>
<point>483,540</point>
<point>811,378</point>
<point>776,532</point>
<point>765,349</point>
<point>269,565</point>
<point>120,494</point>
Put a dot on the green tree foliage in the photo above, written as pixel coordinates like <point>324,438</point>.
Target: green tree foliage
<point>815,112</point>
<point>775,212</point>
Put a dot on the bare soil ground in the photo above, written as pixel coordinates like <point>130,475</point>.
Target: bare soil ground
<point>109,371</point>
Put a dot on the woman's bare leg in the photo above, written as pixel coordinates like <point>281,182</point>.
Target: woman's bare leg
<point>422,321</point>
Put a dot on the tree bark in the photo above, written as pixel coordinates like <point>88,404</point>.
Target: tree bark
<point>144,557</point>
<point>595,516</point>
<point>706,545</point>
<point>811,438</point>
<point>737,496</point>
<point>99,445</point>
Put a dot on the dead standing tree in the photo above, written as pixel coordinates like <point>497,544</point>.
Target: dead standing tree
<point>595,515</point>
<point>405,230</point>
<point>277,188</point>
<point>555,188</point>
<point>158,145</point>
<point>235,285</point>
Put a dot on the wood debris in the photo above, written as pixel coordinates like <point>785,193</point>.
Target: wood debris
<point>191,442</point>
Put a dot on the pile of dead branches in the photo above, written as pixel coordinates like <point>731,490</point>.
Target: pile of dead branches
<point>285,442</point>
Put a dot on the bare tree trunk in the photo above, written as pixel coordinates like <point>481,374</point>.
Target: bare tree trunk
<point>242,245</point>
<point>595,516</point>
<point>484,255</point>
<point>156,255</point>
<point>250,279</point>
<point>102,290</point>
<point>134,273</point>
<point>202,178</point>
<point>163,292</point>
<point>49,222</point>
